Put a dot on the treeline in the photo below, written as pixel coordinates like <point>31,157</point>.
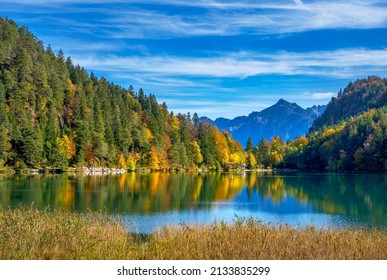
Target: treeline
<point>54,114</point>
<point>357,142</point>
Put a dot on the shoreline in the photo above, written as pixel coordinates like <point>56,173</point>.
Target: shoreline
<point>89,171</point>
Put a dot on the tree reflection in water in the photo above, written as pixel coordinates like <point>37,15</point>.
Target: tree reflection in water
<point>338,194</point>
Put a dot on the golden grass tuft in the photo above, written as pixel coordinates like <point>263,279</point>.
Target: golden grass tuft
<point>28,233</point>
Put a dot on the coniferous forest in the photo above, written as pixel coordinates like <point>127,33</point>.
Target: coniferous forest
<point>54,114</point>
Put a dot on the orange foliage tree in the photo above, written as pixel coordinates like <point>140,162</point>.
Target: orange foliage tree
<point>122,161</point>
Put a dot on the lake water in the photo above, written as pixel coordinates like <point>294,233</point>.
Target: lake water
<point>149,201</point>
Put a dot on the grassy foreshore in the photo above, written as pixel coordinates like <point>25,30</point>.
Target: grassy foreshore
<point>28,233</point>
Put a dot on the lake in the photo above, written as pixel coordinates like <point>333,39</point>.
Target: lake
<point>147,201</point>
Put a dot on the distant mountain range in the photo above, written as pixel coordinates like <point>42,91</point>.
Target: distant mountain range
<point>285,119</point>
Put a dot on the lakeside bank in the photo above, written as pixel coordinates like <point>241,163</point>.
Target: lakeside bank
<point>29,233</point>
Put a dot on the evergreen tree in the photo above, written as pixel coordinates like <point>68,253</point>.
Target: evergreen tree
<point>262,153</point>
<point>5,145</point>
<point>32,146</point>
<point>249,145</point>
<point>195,119</point>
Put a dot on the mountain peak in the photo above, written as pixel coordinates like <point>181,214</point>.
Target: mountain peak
<point>283,106</point>
<point>285,119</point>
<point>282,102</point>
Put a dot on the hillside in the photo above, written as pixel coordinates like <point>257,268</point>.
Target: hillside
<point>284,119</point>
<point>359,144</point>
<point>358,97</point>
<point>356,141</point>
<point>351,135</point>
<point>55,114</point>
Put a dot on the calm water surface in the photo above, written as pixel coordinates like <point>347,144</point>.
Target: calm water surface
<point>149,201</point>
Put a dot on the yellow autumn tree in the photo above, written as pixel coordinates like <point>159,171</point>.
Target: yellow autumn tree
<point>152,159</point>
<point>122,161</point>
<point>175,123</point>
<point>196,153</point>
<point>221,146</point>
<point>251,162</point>
<point>60,153</point>
<point>149,134</point>
<point>300,142</point>
<point>237,154</point>
<point>277,151</point>
<point>70,87</point>
<point>275,158</point>
<point>69,146</point>
<point>157,160</point>
<point>132,161</point>
<point>328,132</point>
<point>237,157</point>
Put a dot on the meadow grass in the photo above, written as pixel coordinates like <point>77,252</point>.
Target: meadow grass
<point>29,233</point>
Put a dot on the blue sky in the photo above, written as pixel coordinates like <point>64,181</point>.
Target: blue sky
<point>217,58</point>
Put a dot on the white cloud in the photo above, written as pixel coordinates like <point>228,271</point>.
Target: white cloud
<point>219,18</point>
<point>272,18</point>
<point>339,63</point>
<point>322,95</point>
<point>231,18</point>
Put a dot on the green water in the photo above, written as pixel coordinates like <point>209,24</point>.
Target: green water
<point>149,201</point>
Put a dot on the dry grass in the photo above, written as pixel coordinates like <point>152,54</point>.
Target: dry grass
<point>251,240</point>
<point>34,234</point>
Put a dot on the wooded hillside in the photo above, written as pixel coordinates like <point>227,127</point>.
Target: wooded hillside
<point>55,114</point>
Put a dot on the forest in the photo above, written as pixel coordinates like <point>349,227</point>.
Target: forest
<point>54,114</point>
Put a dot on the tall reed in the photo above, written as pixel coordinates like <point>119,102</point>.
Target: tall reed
<point>29,233</point>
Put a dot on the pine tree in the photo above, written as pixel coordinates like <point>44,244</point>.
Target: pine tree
<point>5,145</point>
<point>32,146</point>
<point>195,119</point>
<point>249,145</point>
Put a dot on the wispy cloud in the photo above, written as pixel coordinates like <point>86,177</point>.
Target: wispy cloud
<point>221,18</point>
<point>338,63</point>
<point>259,17</point>
<point>186,83</point>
